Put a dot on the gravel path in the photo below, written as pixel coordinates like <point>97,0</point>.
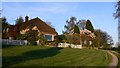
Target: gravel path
<point>114,60</point>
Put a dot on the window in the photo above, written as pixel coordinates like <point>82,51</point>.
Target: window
<point>7,29</point>
<point>48,37</point>
<point>85,42</point>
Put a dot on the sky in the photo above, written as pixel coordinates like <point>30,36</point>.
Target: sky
<point>59,0</point>
<point>99,13</point>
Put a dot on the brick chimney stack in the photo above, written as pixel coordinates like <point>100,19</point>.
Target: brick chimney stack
<point>26,18</point>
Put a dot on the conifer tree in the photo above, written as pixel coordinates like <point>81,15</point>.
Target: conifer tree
<point>76,29</point>
<point>89,26</point>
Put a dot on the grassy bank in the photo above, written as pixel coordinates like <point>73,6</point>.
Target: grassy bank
<point>51,56</point>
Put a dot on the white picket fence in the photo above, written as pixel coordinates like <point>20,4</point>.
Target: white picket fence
<point>24,42</point>
<point>13,42</point>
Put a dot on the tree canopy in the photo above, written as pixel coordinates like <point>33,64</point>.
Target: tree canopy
<point>102,39</point>
<point>117,15</point>
<point>76,29</point>
<point>81,24</point>
<point>31,36</point>
<point>74,39</point>
<point>5,26</point>
<point>19,20</point>
<point>73,28</point>
<point>89,26</point>
<point>70,25</point>
<point>62,38</point>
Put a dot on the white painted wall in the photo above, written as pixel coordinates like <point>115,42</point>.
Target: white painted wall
<point>67,45</point>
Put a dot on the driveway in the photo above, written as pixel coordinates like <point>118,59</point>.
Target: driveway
<point>114,60</point>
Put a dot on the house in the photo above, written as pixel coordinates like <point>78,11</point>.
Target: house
<point>87,37</point>
<point>33,24</point>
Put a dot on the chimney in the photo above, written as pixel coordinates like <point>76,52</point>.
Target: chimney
<point>26,18</point>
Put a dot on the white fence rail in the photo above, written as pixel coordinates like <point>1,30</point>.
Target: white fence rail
<point>13,42</point>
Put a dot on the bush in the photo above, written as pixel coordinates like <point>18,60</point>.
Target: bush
<point>32,43</point>
<point>114,49</point>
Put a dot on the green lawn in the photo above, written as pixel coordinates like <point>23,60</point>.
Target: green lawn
<point>51,56</point>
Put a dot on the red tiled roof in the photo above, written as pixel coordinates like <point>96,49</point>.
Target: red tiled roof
<point>13,31</point>
<point>86,37</point>
<point>41,25</point>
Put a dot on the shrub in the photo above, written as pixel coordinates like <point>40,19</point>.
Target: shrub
<point>32,43</point>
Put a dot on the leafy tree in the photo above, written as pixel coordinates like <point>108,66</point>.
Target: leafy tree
<point>19,21</point>
<point>89,26</point>
<point>74,39</point>
<point>42,40</point>
<point>22,37</point>
<point>62,38</point>
<point>31,36</point>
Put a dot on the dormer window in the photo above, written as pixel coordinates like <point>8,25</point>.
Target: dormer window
<point>34,28</point>
<point>86,33</point>
<point>7,30</point>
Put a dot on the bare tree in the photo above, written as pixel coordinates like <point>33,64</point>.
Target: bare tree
<point>117,15</point>
<point>50,24</point>
<point>1,12</point>
<point>70,25</point>
<point>81,24</point>
<point>102,39</point>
